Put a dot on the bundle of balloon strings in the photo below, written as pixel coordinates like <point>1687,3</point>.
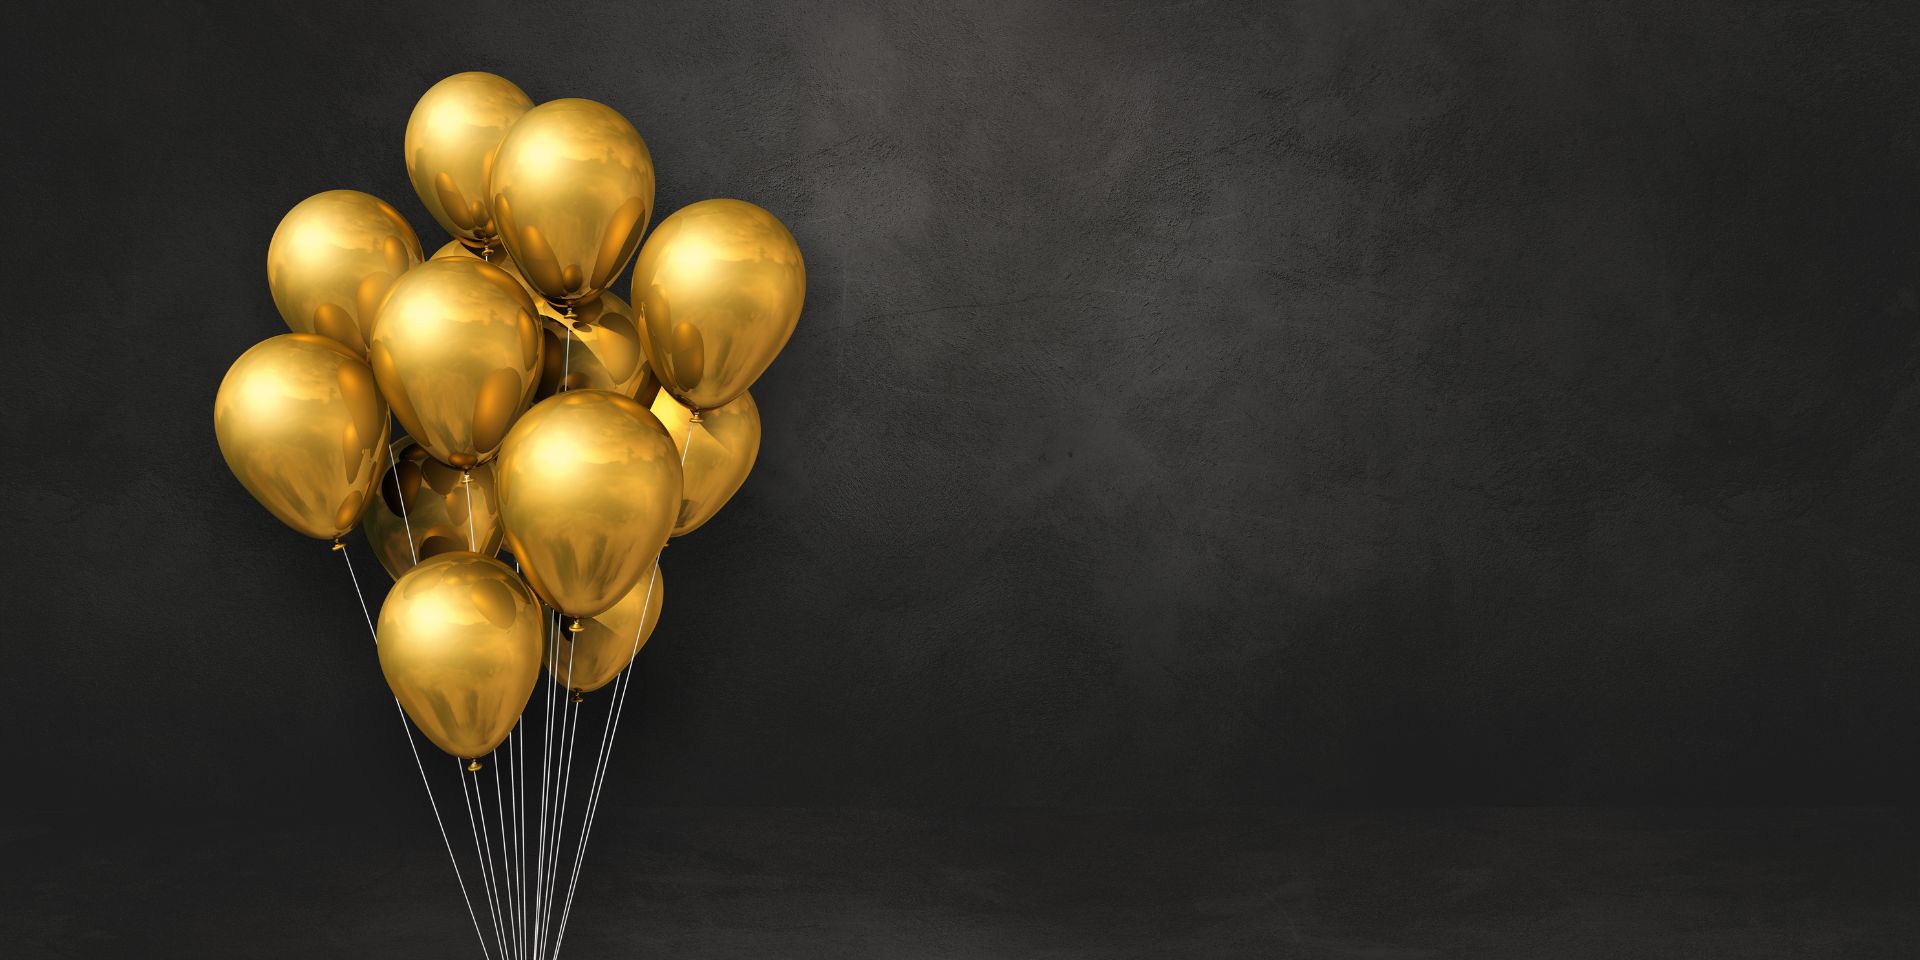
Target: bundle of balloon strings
<point>543,415</point>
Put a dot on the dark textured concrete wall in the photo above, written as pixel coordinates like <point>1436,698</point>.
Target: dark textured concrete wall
<point>1195,403</point>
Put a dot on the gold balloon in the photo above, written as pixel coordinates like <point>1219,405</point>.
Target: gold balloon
<point>612,359</point>
<point>719,287</point>
<point>603,355</point>
<point>460,641</point>
<point>725,442</point>
<point>457,352</point>
<point>331,261</point>
<point>450,143</point>
<point>590,659</point>
<point>572,192</point>
<point>303,427</point>
<point>422,511</point>
<point>589,484</point>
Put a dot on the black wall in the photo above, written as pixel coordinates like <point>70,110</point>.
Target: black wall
<point>1196,403</point>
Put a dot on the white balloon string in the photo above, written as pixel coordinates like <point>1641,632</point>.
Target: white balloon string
<point>513,932</point>
<point>621,685</point>
<point>406,730</point>
<point>412,550</point>
<point>493,879</point>
<point>566,792</point>
<point>607,734</point>
<point>466,480</point>
<point>546,792</point>
<point>467,795</point>
<point>520,823</point>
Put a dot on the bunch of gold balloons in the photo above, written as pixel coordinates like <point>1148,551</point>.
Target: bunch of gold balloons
<point>541,411</point>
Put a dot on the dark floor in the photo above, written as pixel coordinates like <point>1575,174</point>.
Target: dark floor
<point>1562,884</point>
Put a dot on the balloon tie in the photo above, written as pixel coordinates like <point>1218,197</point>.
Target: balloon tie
<point>339,547</point>
<point>474,765</point>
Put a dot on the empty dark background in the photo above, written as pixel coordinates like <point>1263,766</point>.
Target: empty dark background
<point>1196,406</point>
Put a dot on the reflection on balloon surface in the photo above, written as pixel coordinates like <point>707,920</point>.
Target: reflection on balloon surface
<point>422,510</point>
<point>591,657</point>
<point>717,452</point>
<point>457,352</point>
<point>331,261</point>
<point>718,287</point>
<point>304,429</point>
<point>589,486</point>
<point>572,191</point>
<point>451,139</point>
<point>460,640</point>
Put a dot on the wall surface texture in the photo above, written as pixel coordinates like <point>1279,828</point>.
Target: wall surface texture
<point>1195,403</point>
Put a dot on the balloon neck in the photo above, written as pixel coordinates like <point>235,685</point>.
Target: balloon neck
<point>695,418</point>
<point>579,696</point>
<point>473,766</point>
<point>466,476</point>
<point>486,252</point>
<point>338,546</point>
<point>576,626</point>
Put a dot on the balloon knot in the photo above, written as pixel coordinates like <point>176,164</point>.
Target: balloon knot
<point>695,418</point>
<point>576,626</point>
<point>337,545</point>
<point>466,476</point>
<point>473,766</point>
<point>579,697</point>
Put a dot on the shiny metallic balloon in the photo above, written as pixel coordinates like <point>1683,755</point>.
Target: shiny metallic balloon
<point>572,190</point>
<point>331,261</point>
<point>457,352</point>
<point>423,510</point>
<point>725,442</point>
<point>590,658</point>
<point>589,486</point>
<point>302,426</point>
<point>450,143</point>
<point>719,287</point>
<point>605,353</point>
<point>461,639</point>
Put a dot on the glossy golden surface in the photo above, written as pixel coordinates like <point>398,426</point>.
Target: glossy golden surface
<point>450,143</point>
<point>456,351</point>
<point>589,485</point>
<point>422,511</point>
<point>302,426</point>
<point>572,193</point>
<point>724,445</point>
<point>612,358</point>
<point>719,287</point>
<point>591,658</point>
<point>604,355</point>
<point>331,261</point>
<point>461,640</point>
